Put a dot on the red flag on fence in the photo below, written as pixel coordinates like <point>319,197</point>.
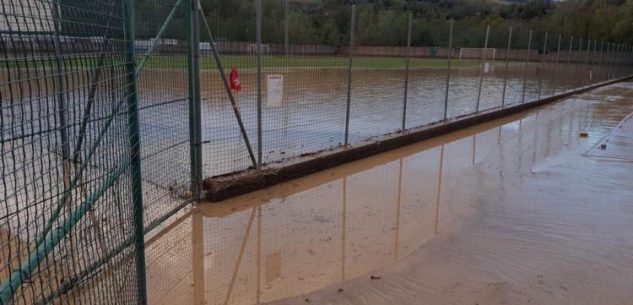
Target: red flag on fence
<point>234,79</point>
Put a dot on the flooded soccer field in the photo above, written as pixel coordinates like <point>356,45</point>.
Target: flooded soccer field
<point>337,227</point>
<point>312,115</point>
<point>119,120</point>
<point>519,210</point>
<point>310,119</point>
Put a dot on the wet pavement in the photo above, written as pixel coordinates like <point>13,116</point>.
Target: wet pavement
<point>522,210</point>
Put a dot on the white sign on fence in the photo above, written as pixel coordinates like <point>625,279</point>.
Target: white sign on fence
<point>275,90</point>
<point>487,67</point>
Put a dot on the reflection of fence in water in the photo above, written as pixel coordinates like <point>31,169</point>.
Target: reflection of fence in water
<point>413,195</point>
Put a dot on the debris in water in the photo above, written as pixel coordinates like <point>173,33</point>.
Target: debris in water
<point>374,277</point>
<point>603,146</point>
<point>584,134</point>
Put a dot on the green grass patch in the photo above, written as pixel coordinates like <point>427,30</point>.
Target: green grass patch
<point>360,62</point>
<point>244,62</point>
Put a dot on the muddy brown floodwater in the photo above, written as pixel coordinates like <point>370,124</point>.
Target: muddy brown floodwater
<point>312,115</point>
<point>310,119</point>
<point>521,210</point>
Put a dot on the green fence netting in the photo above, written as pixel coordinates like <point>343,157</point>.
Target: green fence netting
<point>71,226</point>
<point>113,111</point>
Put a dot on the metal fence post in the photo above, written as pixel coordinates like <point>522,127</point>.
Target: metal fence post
<point>542,66</point>
<point>259,81</point>
<point>623,61</point>
<point>599,68</point>
<point>621,65</point>
<point>286,27</point>
<point>619,61</point>
<point>588,62</point>
<point>527,61</point>
<point>614,53</point>
<point>568,64</point>
<point>406,75</point>
<point>553,80</point>
<point>349,73</point>
<point>135,148</point>
<point>625,49</point>
<point>585,64</point>
<point>592,62</point>
<point>578,63</point>
<point>607,61</point>
<point>448,68</point>
<point>195,117</point>
<point>482,69</point>
<point>505,75</point>
<point>59,86</point>
<point>627,62</point>
<point>612,68</point>
<point>612,61</point>
<point>618,50</point>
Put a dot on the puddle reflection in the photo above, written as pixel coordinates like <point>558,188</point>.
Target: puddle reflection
<point>346,222</point>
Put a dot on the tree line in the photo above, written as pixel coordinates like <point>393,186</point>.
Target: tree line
<point>385,22</point>
<point>379,22</point>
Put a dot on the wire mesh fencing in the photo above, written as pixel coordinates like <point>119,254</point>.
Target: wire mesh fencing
<point>163,78</point>
<point>113,112</point>
<point>71,218</point>
<point>313,79</point>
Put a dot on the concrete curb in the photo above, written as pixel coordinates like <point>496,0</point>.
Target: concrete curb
<point>223,187</point>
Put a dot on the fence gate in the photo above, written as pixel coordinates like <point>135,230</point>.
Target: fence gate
<point>71,224</point>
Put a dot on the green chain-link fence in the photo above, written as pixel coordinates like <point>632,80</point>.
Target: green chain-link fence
<point>113,112</point>
<point>71,226</point>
